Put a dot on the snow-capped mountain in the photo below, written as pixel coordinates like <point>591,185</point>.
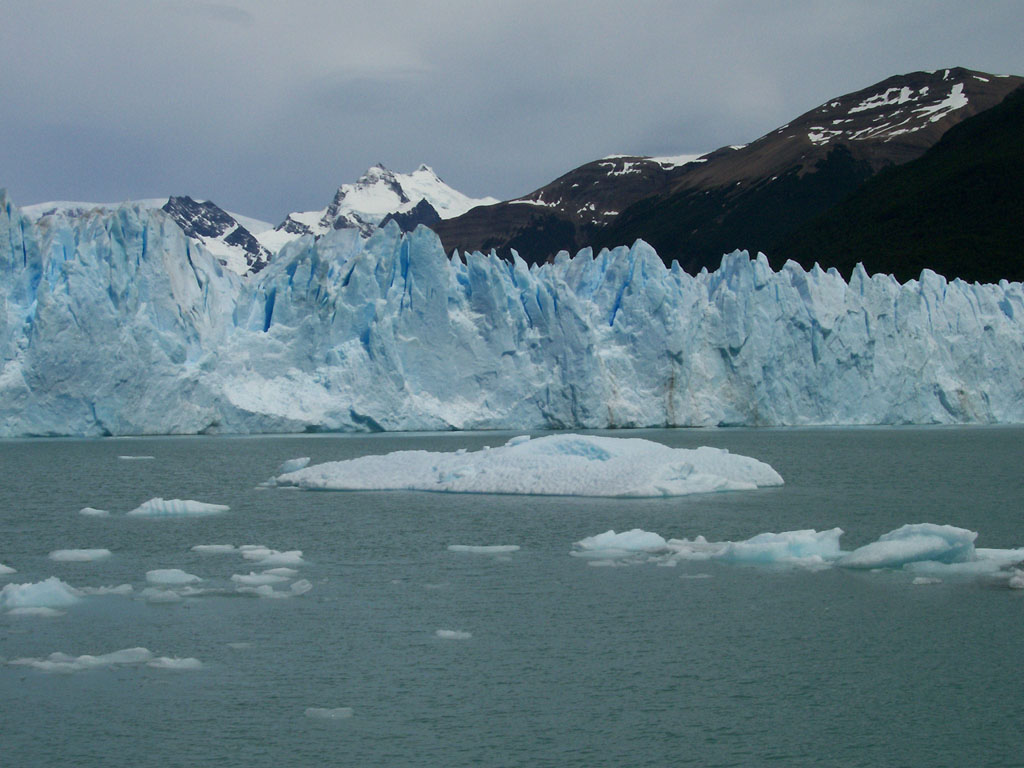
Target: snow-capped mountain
<point>228,236</point>
<point>696,208</point>
<point>114,323</point>
<point>365,204</point>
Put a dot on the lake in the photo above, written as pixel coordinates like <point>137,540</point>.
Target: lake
<point>403,652</point>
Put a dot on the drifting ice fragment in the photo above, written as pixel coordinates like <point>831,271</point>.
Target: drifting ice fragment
<point>257,579</point>
<point>271,557</point>
<point>120,589</point>
<point>324,713</point>
<point>453,634</point>
<point>65,663</point>
<point>170,577</point>
<point>135,458</point>
<point>492,549</point>
<point>93,512</point>
<point>177,508</point>
<point>50,593</point>
<point>214,549</point>
<point>155,595</point>
<point>79,555</point>
<point>558,465</point>
<point>6,569</point>
<point>613,545</point>
<point>38,611</point>
<point>179,665</point>
<point>293,465</point>
<point>924,541</point>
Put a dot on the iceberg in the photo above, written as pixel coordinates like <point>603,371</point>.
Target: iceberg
<point>173,577</point>
<point>177,508</point>
<point>557,465</point>
<point>128,657</point>
<point>914,543</point>
<point>79,555</point>
<point>115,323</point>
<point>93,512</point>
<point>49,593</point>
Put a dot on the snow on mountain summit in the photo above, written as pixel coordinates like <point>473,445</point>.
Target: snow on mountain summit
<point>365,204</point>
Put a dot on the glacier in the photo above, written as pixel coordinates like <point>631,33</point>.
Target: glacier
<point>114,323</point>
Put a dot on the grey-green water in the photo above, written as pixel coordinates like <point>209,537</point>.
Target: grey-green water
<point>567,665</point>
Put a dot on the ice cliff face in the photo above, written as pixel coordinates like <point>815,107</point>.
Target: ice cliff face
<point>117,324</point>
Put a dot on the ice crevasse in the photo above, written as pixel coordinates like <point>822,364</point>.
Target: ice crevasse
<point>114,323</point>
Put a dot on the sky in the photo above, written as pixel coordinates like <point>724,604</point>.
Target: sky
<point>267,107</point>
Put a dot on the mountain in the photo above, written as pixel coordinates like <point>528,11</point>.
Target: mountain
<point>958,209</point>
<point>749,196</point>
<point>115,323</point>
<point>376,195</point>
<point>228,236</point>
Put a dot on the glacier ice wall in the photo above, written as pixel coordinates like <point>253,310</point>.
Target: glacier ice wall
<point>116,324</point>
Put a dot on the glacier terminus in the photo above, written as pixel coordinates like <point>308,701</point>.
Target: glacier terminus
<point>114,323</point>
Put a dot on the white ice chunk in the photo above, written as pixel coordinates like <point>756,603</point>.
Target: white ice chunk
<point>293,465</point>
<point>287,572</point>
<point>49,593</point>
<point>915,542</point>
<point>921,580</point>
<point>1016,579</point>
<point>329,713</point>
<point>214,549</point>
<point>806,547</point>
<point>300,587</point>
<point>62,662</point>
<point>179,665</point>
<point>135,458</point>
<point>6,569</point>
<point>573,465</point>
<point>612,545</point>
<point>271,557</point>
<point>172,577</point>
<point>120,589</point>
<point>256,579</point>
<point>156,595</point>
<point>453,634</point>
<point>488,549</point>
<point>93,512</point>
<point>79,555</point>
<point>38,611</point>
<point>158,507</point>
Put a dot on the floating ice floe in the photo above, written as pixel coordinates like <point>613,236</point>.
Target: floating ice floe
<point>136,458</point>
<point>931,552</point>
<point>120,589</point>
<point>6,570</point>
<point>453,634</point>
<point>293,465</point>
<point>557,465</point>
<point>271,557</point>
<point>329,713</point>
<point>214,549</point>
<point>488,549</point>
<point>253,579</point>
<point>159,507</point>
<point>170,577</point>
<point>300,587</point>
<point>65,663</point>
<point>37,611</point>
<point>79,555</point>
<point>93,512</point>
<point>49,593</point>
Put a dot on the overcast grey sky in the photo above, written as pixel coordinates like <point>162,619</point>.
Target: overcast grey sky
<point>266,107</point>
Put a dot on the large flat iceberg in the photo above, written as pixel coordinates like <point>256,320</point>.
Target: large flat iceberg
<point>556,465</point>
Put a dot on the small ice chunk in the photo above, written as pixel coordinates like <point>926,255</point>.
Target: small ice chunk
<point>256,579</point>
<point>329,713</point>
<point>79,555</point>
<point>806,547</point>
<point>489,549</point>
<point>62,662</point>
<point>453,634</point>
<point>271,557</point>
<point>695,576</point>
<point>1016,579</point>
<point>518,440</point>
<point>915,542</point>
<point>6,570</point>
<point>612,545</point>
<point>179,665</point>
<point>920,580</point>
<point>286,572</point>
<point>39,611</point>
<point>170,577</point>
<point>93,512</point>
<point>158,507</point>
<point>136,458</point>
<point>300,587</point>
<point>293,465</point>
<point>120,589</point>
<point>49,593</point>
<point>214,549</point>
